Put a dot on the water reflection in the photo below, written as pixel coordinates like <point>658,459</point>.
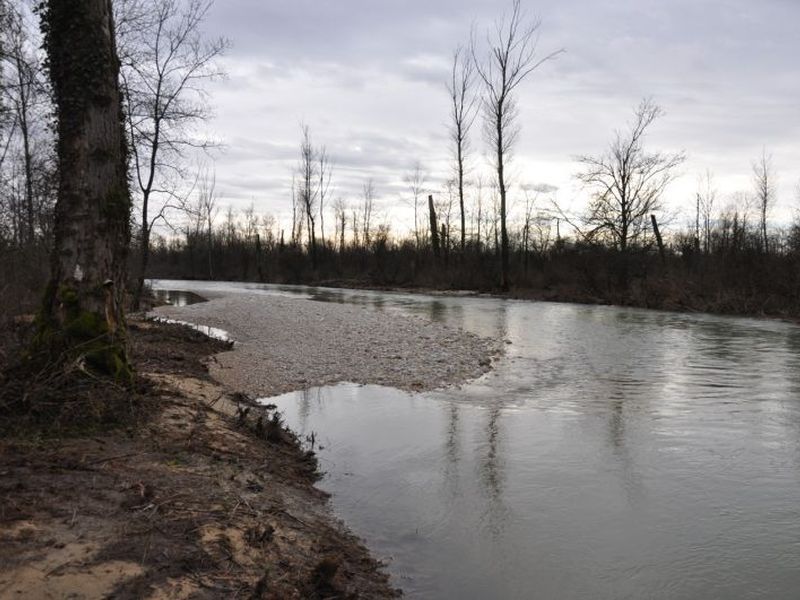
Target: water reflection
<point>491,474</point>
<point>177,297</point>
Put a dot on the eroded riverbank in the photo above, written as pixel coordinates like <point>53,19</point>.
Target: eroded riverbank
<point>209,498</point>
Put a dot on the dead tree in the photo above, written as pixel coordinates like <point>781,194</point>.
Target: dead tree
<point>83,311</point>
<point>434,228</point>
<point>659,241</point>
<point>512,56</point>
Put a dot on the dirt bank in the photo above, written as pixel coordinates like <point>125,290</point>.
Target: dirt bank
<point>210,498</point>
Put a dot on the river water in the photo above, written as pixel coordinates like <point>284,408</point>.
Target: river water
<point>611,453</point>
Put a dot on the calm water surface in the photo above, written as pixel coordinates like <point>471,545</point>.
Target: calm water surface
<point>612,453</point>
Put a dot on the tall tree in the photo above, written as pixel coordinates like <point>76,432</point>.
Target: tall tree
<point>308,192</point>
<point>706,199</point>
<point>764,183</point>
<point>463,102</point>
<point>325,175</point>
<point>512,56</point>
<point>416,179</point>
<point>165,63</point>
<point>627,182</point>
<point>368,193</point>
<point>83,309</point>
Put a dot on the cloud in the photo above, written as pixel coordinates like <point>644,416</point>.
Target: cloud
<point>368,78</point>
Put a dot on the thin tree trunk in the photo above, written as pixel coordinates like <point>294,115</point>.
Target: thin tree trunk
<point>501,182</point>
<point>461,199</point>
<point>28,160</point>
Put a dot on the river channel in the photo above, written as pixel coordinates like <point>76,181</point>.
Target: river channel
<point>611,453</point>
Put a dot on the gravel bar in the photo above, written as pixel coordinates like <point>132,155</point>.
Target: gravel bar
<point>286,344</point>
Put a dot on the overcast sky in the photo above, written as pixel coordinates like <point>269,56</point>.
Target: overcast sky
<point>368,77</point>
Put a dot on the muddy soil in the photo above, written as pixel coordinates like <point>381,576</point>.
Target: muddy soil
<point>211,497</point>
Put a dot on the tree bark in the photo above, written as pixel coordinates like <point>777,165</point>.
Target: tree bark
<point>82,310</point>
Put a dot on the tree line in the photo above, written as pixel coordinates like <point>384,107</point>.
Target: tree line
<point>488,233</point>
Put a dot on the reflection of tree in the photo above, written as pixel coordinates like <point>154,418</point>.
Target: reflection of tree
<point>307,397</point>
<point>631,479</point>
<point>452,434</point>
<point>452,451</point>
<point>492,475</point>
<point>617,425</point>
<point>437,311</point>
<point>502,320</point>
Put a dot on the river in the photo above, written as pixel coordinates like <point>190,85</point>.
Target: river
<point>611,453</point>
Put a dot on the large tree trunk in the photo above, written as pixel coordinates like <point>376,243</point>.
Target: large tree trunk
<point>83,304</point>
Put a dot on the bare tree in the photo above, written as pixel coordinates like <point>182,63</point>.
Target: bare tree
<point>208,211</point>
<point>512,56</point>
<point>764,183</point>
<point>366,211</point>
<point>463,104</point>
<point>83,310</point>
<point>25,94</point>
<point>416,179</point>
<point>627,182</point>
<point>165,63</point>
<point>706,199</point>
<point>24,88</point>
<point>325,169</point>
<point>340,214</point>
<point>478,213</point>
<point>308,190</point>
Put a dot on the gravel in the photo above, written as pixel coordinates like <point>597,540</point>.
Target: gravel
<point>286,344</point>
